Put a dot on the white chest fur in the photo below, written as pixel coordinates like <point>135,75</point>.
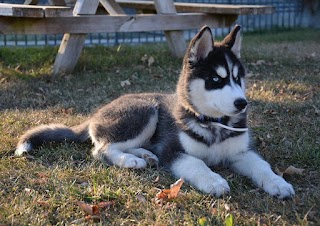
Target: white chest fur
<point>216,153</point>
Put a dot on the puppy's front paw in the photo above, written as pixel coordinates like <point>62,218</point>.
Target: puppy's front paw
<point>213,184</point>
<point>277,186</point>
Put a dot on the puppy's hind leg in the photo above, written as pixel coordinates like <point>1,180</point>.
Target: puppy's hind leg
<point>109,154</point>
<point>120,143</point>
<point>145,154</point>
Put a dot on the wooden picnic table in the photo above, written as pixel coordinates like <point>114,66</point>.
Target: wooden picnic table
<point>76,21</point>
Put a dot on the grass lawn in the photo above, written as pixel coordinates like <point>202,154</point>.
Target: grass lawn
<point>44,187</point>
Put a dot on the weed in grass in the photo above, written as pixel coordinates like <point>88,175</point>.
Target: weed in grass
<point>284,94</point>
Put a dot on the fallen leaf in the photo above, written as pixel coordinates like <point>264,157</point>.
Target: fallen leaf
<point>144,58</point>
<point>278,172</point>
<point>168,194</point>
<point>104,205</point>
<point>125,83</point>
<point>3,80</point>
<point>85,207</point>
<point>150,61</point>
<point>175,188</point>
<point>293,170</point>
<point>95,210</point>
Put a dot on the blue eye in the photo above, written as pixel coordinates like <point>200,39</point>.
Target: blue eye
<point>216,79</point>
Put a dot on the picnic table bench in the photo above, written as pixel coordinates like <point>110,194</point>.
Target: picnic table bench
<point>77,20</point>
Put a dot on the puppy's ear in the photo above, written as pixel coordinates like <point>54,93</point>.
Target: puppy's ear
<point>201,45</point>
<point>233,40</point>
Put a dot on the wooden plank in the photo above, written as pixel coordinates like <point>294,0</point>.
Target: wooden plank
<point>58,11</point>
<point>18,10</point>
<point>34,11</point>
<point>175,39</point>
<point>203,7</point>
<point>83,7</point>
<point>112,7</point>
<point>121,23</point>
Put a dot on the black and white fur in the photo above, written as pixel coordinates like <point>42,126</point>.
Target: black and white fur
<point>201,125</point>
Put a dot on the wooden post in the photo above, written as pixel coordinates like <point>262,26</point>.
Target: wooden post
<point>112,7</point>
<point>175,39</point>
<point>72,44</point>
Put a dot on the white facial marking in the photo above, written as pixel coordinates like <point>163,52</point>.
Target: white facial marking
<point>215,103</point>
<point>235,71</point>
<point>222,72</point>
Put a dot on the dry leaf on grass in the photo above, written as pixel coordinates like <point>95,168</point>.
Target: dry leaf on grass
<point>149,60</point>
<point>87,208</point>
<point>94,209</point>
<point>103,205</point>
<point>291,170</point>
<point>125,83</point>
<point>169,194</point>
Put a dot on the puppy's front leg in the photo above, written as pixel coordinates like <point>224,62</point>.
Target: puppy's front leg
<point>253,166</point>
<point>198,174</point>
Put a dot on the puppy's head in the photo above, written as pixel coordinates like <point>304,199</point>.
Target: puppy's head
<point>212,78</point>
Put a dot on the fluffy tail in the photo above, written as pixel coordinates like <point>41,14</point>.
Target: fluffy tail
<point>53,132</point>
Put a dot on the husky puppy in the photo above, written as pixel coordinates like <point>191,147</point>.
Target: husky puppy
<point>201,125</point>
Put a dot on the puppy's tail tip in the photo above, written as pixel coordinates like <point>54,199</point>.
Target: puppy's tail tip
<point>22,148</point>
<point>37,136</point>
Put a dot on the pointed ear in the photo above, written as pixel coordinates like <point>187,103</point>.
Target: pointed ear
<point>233,40</point>
<point>201,45</point>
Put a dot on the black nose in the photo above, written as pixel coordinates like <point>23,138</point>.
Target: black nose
<point>240,103</point>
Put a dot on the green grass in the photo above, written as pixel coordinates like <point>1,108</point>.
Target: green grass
<point>43,189</point>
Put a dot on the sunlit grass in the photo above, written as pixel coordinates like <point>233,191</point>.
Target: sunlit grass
<point>284,95</point>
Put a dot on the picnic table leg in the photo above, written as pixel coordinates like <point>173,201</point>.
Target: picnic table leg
<point>72,44</point>
<point>112,7</point>
<point>175,39</point>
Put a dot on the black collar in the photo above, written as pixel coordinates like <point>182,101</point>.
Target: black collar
<point>206,119</point>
